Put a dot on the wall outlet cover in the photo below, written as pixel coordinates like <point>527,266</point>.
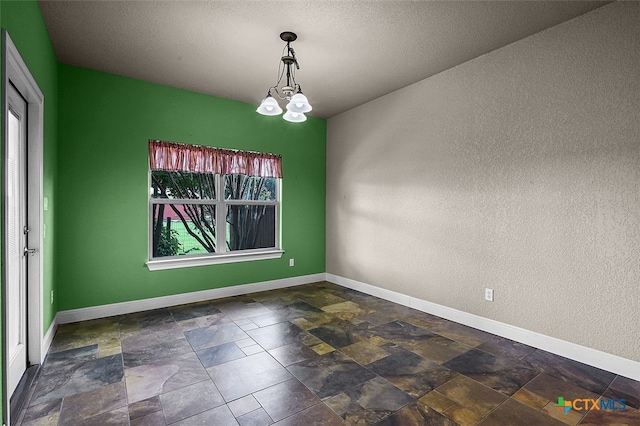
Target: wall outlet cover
<point>488,294</point>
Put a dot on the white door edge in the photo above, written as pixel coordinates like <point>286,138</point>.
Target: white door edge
<point>14,223</point>
<point>16,71</point>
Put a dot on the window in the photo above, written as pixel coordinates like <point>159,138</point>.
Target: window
<point>209,205</point>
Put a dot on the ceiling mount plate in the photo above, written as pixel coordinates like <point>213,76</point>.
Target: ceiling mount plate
<point>288,36</point>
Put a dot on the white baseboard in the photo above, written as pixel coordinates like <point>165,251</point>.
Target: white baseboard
<point>606,361</point>
<point>103,311</point>
<point>48,338</point>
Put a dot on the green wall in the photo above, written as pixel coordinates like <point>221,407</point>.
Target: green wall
<point>23,21</point>
<point>104,127</point>
<point>95,174</point>
<point>2,364</point>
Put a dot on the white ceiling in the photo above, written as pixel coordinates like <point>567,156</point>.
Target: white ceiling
<point>350,52</point>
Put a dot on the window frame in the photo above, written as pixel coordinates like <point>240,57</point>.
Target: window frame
<point>220,256</point>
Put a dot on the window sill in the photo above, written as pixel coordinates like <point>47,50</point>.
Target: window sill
<point>212,259</point>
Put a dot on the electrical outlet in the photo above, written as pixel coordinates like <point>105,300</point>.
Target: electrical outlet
<point>52,297</point>
<point>488,294</point>
<point>292,262</point>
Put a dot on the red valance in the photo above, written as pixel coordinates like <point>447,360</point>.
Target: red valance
<point>171,156</point>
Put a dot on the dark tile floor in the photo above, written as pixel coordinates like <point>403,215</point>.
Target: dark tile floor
<point>317,354</point>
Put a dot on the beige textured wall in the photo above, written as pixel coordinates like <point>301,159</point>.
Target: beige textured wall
<point>518,171</point>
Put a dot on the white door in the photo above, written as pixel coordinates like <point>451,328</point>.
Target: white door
<point>16,238</point>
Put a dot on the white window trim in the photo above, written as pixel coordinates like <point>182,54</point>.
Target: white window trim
<point>175,262</point>
<point>217,258</point>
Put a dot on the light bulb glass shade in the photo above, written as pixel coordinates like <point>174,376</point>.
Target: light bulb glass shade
<point>294,117</point>
<point>269,106</point>
<point>299,103</point>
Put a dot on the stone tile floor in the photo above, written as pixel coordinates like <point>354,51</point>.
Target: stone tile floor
<point>316,354</point>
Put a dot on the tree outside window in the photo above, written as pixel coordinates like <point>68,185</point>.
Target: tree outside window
<point>184,207</point>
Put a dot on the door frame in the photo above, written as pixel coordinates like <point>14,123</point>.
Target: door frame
<point>14,69</point>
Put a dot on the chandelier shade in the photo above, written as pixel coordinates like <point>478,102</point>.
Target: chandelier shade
<point>298,104</point>
<point>269,106</point>
<point>294,117</point>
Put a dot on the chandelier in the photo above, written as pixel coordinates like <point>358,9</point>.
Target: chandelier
<point>298,104</point>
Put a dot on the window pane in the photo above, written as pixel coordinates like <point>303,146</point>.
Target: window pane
<point>242,187</point>
<point>181,229</point>
<point>251,227</point>
<point>198,186</point>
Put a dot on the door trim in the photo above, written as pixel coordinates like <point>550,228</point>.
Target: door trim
<point>14,69</point>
